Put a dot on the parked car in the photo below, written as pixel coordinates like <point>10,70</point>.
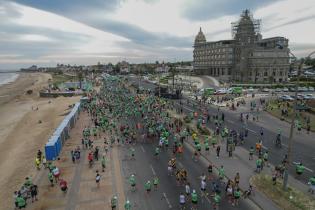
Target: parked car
<point>286,98</point>
<point>285,90</point>
<point>266,90</point>
<point>311,89</point>
<point>308,97</point>
<point>278,90</point>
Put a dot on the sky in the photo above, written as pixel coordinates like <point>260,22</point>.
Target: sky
<point>83,32</point>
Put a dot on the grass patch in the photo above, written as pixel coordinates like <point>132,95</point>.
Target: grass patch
<point>61,78</point>
<point>275,111</point>
<point>291,199</point>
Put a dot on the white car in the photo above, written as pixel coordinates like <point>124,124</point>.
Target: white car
<point>266,90</point>
<point>285,90</point>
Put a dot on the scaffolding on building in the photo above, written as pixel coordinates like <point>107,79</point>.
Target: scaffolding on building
<point>246,25</point>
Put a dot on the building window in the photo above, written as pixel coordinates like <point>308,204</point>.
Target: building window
<point>266,74</point>
<point>273,73</point>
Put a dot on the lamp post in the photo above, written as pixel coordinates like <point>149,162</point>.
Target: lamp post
<point>286,171</point>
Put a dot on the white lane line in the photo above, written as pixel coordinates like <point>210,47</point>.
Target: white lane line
<point>310,170</point>
<point>230,121</point>
<point>142,149</point>
<point>167,201</point>
<point>152,169</point>
<point>266,148</point>
<point>286,146</point>
<point>189,109</point>
<point>251,130</point>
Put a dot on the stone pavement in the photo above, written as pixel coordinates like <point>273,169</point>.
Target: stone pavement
<point>83,192</point>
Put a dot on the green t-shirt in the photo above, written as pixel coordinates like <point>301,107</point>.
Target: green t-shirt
<point>20,201</point>
<point>194,197</point>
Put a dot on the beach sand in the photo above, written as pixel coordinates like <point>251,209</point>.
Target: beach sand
<point>21,134</point>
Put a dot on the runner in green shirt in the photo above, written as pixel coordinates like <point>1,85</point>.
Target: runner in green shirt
<point>113,202</point>
<point>147,186</point>
<point>194,199</point>
<point>21,203</point>
<point>132,181</point>
<point>103,163</point>
<point>127,205</point>
<point>299,169</point>
<point>51,178</point>
<point>221,172</point>
<point>258,165</point>
<point>237,195</point>
<point>155,182</point>
<point>217,200</point>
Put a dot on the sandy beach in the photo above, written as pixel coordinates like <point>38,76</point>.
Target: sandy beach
<point>21,134</point>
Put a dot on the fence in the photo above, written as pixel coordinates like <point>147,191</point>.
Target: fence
<point>56,141</point>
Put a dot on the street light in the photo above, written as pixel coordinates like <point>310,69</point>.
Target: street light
<point>286,173</point>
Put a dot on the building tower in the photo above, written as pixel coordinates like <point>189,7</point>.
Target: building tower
<point>200,51</point>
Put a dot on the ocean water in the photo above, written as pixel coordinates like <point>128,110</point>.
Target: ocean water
<point>7,78</point>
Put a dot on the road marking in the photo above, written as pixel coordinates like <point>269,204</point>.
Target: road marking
<point>142,149</point>
<point>167,201</point>
<point>230,121</point>
<point>310,170</point>
<point>188,109</point>
<point>266,148</point>
<point>286,146</point>
<point>251,130</point>
<point>180,165</point>
<point>152,169</point>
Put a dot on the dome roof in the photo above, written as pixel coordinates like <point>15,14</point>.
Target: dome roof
<point>200,38</point>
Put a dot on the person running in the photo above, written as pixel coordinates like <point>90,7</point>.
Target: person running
<point>218,151</point>
<point>210,170</point>
<point>237,196</point>
<point>51,178</point>
<point>132,182</point>
<point>207,148</point>
<point>34,192</point>
<point>217,200</point>
<point>97,179</point>
<point>194,200</point>
<point>311,182</point>
<point>103,163</point>
<point>157,152</point>
<point>258,165</point>
<point>237,179</point>
<point>156,182</point>
<point>127,205</point>
<point>299,169</point>
<point>132,153</point>
<point>148,186</point>
<point>182,201</point>
<point>113,202</point>
<point>203,185</point>
<point>187,189</point>
<point>21,202</point>
<point>266,157</point>
<point>56,173</point>
<point>63,185</point>
<point>221,173</point>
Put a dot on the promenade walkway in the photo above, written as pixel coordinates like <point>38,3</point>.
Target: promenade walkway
<point>83,192</point>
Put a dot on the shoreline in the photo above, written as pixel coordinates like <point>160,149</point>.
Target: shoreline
<point>24,130</point>
<point>10,79</point>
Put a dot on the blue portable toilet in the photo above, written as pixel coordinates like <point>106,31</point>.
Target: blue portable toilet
<point>50,151</point>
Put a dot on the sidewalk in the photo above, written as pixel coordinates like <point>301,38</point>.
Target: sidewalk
<point>83,192</point>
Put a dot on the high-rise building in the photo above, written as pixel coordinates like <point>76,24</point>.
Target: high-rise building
<point>246,57</point>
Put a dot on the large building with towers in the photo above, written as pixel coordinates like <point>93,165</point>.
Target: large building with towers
<point>245,58</point>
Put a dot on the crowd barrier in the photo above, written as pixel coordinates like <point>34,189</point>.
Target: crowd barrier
<point>56,141</point>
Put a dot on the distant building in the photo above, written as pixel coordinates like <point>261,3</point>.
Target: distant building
<point>246,57</point>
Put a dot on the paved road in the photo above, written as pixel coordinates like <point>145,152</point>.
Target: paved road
<point>303,145</point>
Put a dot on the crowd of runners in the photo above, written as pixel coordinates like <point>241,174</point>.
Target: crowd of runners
<point>121,116</point>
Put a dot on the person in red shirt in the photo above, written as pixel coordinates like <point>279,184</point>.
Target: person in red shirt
<point>63,185</point>
<point>90,158</point>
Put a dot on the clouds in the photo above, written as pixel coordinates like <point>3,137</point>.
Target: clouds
<point>201,10</point>
<point>85,32</point>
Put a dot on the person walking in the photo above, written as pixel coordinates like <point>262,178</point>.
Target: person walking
<point>221,173</point>
<point>34,192</point>
<point>218,151</point>
<point>97,179</point>
<point>51,178</point>
<point>127,205</point>
<point>155,182</point>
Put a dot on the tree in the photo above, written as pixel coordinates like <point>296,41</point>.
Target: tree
<point>80,77</point>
